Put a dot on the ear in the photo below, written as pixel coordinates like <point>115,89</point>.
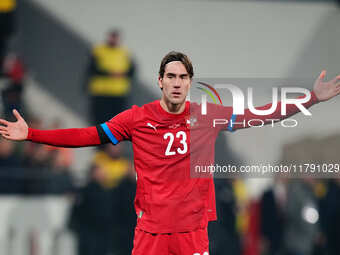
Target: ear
<point>160,80</point>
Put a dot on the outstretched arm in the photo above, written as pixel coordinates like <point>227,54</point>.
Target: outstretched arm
<point>322,91</point>
<point>75,137</point>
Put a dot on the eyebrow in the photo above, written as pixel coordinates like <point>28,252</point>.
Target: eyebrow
<point>173,74</point>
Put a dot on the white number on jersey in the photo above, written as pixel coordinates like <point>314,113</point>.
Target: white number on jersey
<point>180,135</point>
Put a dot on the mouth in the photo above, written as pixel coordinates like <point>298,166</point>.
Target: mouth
<point>176,94</point>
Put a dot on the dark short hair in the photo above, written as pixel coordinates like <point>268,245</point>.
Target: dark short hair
<point>176,56</point>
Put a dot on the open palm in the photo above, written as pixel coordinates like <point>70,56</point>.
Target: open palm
<point>17,130</point>
<point>326,90</point>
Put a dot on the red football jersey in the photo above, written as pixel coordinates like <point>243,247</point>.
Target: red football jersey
<point>167,199</point>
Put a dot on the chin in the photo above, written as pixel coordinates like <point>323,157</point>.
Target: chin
<point>178,100</point>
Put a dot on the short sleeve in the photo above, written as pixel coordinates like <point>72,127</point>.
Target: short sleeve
<point>117,129</point>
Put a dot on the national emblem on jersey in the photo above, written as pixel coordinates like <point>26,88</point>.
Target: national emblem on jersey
<point>191,121</point>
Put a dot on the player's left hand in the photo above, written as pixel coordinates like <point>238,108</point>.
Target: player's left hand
<point>326,90</point>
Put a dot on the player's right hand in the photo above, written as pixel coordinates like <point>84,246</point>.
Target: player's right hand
<point>17,130</point>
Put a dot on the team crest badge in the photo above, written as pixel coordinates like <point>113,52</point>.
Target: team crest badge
<point>191,122</point>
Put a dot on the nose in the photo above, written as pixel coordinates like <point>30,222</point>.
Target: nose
<point>177,82</point>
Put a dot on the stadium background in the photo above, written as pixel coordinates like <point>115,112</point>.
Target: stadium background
<point>245,39</point>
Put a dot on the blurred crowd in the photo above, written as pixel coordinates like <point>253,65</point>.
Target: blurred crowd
<point>102,216</point>
<point>296,216</point>
<point>292,216</point>
<point>300,217</point>
<point>28,168</point>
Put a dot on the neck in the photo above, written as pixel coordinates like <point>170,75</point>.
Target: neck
<point>172,108</point>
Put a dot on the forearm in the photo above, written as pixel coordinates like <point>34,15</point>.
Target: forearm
<point>242,121</point>
<point>75,137</point>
